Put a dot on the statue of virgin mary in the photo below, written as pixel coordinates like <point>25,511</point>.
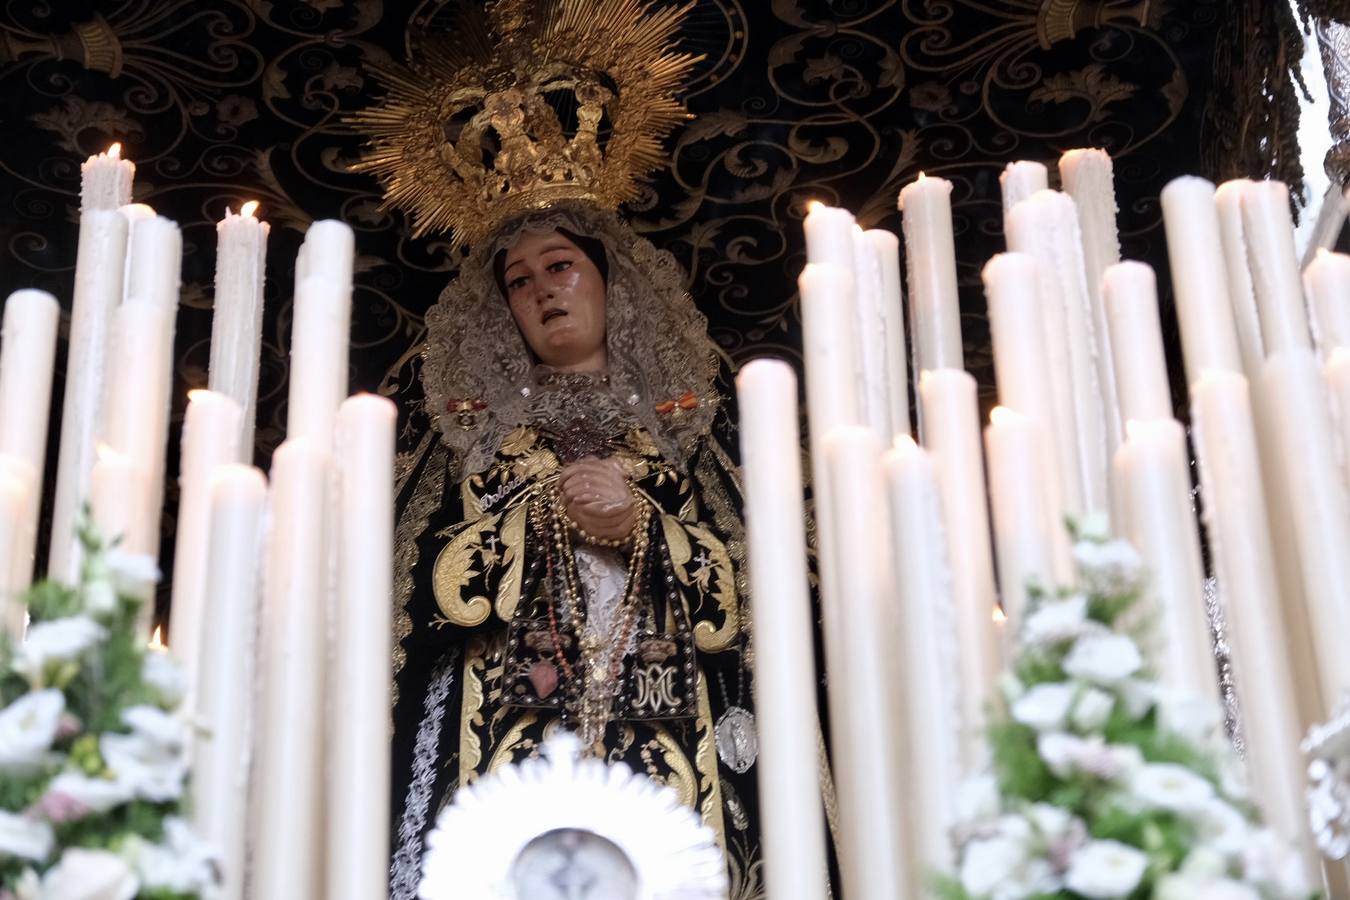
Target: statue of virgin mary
<point>570,548</point>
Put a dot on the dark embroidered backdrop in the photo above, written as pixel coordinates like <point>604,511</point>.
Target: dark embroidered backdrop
<point>223,101</point>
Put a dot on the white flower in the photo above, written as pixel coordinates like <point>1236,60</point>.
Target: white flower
<point>1066,754</point>
<point>977,800</point>
<point>1044,707</point>
<point>1108,567</point>
<point>73,795</point>
<point>1003,865</point>
<point>133,574</point>
<point>1011,686</point>
<point>1222,827</point>
<point>157,725</point>
<point>1205,863</point>
<point>1056,621</point>
<point>1138,696</point>
<point>150,761</point>
<point>1105,869</point>
<point>183,864</point>
<point>1233,777</point>
<point>1105,659</point>
<point>1053,822</point>
<point>27,728</point>
<point>54,642</point>
<point>1188,716</point>
<point>1091,710</point>
<point>90,875</point>
<point>100,597</point>
<point>24,837</point>
<point>1095,526</point>
<point>1193,887</point>
<point>165,677</point>
<point>1270,862</point>
<point>1171,787</point>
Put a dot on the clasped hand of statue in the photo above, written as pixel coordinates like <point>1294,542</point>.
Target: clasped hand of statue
<point>597,498</point>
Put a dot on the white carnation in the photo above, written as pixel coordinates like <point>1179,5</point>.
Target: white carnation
<point>55,642</point>
<point>90,795</point>
<point>1065,754</point>
<point>1091,710</point>
<point>1105,869</point>
<point>1056,621</point>
<point>977,800</point>
<point>1108,567</point>
<point>183,864</point>
<point>1192,887</point>
<point>90,875</point>
<point>165,677</point>
<point>1104,659</point>
<point>1138,695</point>
<point>1189,717</point>
<point>133,574</point>
<point>1222,827</point>
<point>1044,707</point>
<point>1170,787</point>
<point>1004,864</point>
<point>27,728</point>
<point>24,837</point>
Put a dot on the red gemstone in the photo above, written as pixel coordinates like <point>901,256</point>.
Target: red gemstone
<point>544,677</point>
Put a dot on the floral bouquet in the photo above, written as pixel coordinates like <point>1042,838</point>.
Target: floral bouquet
<point>92,756</point>
<point>1105,783</point>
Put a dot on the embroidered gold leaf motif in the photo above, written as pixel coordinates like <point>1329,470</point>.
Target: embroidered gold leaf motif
<point>708,637</point>
<point>454,571</point>
<point>513,558</point>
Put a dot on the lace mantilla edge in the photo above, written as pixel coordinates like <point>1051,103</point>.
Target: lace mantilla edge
<point>660,355</point>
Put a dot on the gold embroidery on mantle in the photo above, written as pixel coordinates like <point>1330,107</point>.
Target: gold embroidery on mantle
<point>426,497</point>
<point>454,570</point>
<point>706,761</point>
<point>513,540</point>
<point>471,710</point>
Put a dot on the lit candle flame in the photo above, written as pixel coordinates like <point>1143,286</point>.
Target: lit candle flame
<point>248,209</point>
<point>156,639</point>
<point>115,151</point>
<point>813,205</point>
<point>921,175</point>
<point>999,616</point>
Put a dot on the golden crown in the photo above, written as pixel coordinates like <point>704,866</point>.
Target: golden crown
<point>524,104</point>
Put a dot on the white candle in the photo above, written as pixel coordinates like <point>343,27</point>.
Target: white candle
<point>319,348</point>
<point>1154,480</point>
<point>1130,293</point>
<point>1338,382</point>
<point>1318,506</point>
<point>329,249</point>
<point>1273,262</point>
<point>154,262</point>
<point>105,180</point>
<point>930,676</point>
<point>829,235</point>
<point>784,660</point>
<point>829,349</point>
<point>863,667</point>
<point>16,490</point>
<point>1327,279</point>
<point>136,421</point>
<point>1017,182</point>
<point>118,488</point>
<point>1045,226</point>
<point>288,850</point>
<point>1014,447</point>
<point>1199,277</point>
<point>236,325</point>
<point>98,290</point>
<point>1023,358</point>
<point>874,373</point>
<point>210,439</point>
<point>934,307</point>
<point>1236,521</point>
<point>1087,176</point>
<point>886,246</point>
<point>27,355</point>
<point>952,434</point>
<point>225,693</point>
<point>359,688</point>
<point>1246,320</point>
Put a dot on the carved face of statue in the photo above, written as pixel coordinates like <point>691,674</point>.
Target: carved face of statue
<point>557,298</point>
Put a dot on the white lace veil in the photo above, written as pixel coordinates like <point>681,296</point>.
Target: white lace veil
<point>657,340</point>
